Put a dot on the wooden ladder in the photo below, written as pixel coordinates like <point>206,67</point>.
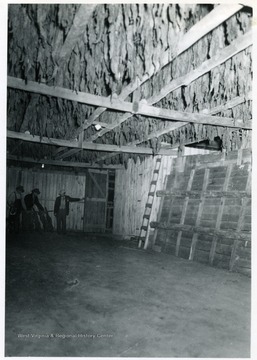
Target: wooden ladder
<point>144,231</point>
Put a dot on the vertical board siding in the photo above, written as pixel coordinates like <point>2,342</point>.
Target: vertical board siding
<point>49,184</point>
<point>96,201</point>
<point>131,189</point>
<point>212,222</point>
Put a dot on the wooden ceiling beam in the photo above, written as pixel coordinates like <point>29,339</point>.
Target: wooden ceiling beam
<point>216,17</point>
<point>236,46</point>
<point>85,145</point>
<point>67,154</point>
<point>155,134</point>
<point>58,150</point>
<point>140,108</point>
<point>62,163</point>
<point>229,105</point>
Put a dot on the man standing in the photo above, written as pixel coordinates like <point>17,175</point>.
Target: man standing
<point>16,205</point>
<point>31,219</point>
<point>61,210</point>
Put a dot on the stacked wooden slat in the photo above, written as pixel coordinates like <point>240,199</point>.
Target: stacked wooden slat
<point>211,223</point>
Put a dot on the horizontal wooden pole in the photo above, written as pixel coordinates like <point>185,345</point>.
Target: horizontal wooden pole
<point>67,153</point>
<point>224,54</point>
<point>86,145</point>
<point>228,105</point>
<point>62,163</point>
<point>142,107</point>
<point>59,92</point>
<point>58,151</point>
<point>207,194</point>
<point>216,17</point>
<point>246,160</point>
<point>151,136</point>
<point>174,126</point>
<point>200,229</point>
<point>209,22</point>
<point>223,107</point>
<point>238,45</point>
<point>123,95</point>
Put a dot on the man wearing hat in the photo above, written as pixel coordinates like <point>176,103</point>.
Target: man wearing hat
<point>16,205</point>
<point>61,210</point>
<point>31,219</point>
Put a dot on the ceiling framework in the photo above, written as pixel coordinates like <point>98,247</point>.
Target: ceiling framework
<point>141,108</point>
<point>85,145</point>
<point>157,134</point>
<point>61,163</point>
<point>237,46</point>
<point>205,25</point>
<point>146,74</point>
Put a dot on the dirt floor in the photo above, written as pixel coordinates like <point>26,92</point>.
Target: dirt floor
<point>91,296</point>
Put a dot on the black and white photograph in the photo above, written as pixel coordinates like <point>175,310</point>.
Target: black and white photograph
<point>128,179</point>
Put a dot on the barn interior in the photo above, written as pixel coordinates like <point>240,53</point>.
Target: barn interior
<point>142,112</point>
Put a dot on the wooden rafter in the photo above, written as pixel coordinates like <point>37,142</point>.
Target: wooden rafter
<point>141,108</point>
<point>86,145</point>
<point>238,45</point>
<point>66,154</point>
<point>62,163</point>
<point>216,17</point>
<point>229,105</point>
<point>155,134</point>
<point>58,151</point>
<point>174,126</point>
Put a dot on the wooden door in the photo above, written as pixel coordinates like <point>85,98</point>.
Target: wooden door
<point>95,201</point>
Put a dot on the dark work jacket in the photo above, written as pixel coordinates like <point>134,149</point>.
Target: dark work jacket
<point>30,202</point>
<point>68,199</point>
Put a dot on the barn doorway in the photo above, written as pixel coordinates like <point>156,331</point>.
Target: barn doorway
<point>99,201</point>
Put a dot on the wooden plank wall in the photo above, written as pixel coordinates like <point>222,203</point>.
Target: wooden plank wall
<point>206,210</point>
<point>96,201</point>
<point>131,189</point>
<point>50,183</point>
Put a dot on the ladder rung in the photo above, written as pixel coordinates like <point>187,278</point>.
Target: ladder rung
<point>149,203</point>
